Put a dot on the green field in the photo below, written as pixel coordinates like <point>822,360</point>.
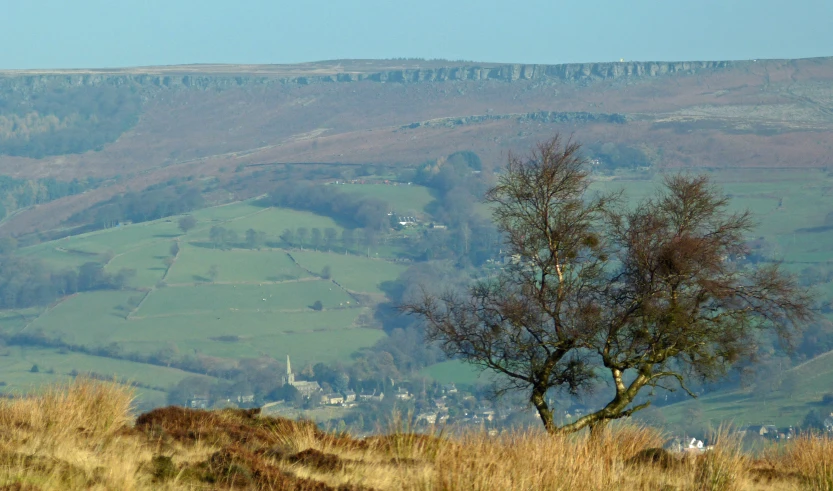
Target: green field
<point>86,318</point>
<point>15,320</point>
<point>116,240</point>
<point>269,297</point>
<point>181,318</point>
<point>147,260</point>
<point>273,221</point>
<point>331,343</point>
<point>54,367</point>
<point>220,214</point>
<point>355,273</point>
<point>259,303</point>
<point>193,264</point>
<point>57,256</point>
<point>405,199</point>
<point>17,360</point>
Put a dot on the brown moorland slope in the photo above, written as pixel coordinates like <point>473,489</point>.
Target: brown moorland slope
<point>202,120</point>
<point>83,436</point>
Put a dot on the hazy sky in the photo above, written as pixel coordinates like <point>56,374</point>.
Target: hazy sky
<point>111,33</point>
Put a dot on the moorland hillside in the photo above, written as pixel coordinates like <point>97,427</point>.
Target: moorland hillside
<point>84,436</point>
<point>135,127</point>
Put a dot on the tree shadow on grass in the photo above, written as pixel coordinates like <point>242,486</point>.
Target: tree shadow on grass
<point>206,245</point>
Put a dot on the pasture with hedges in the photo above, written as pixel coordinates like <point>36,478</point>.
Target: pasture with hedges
<point>191,295</point>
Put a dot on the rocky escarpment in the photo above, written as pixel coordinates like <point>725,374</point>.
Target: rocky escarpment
<point>539,116</point>
<point>170,77</point>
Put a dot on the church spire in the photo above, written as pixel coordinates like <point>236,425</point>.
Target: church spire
<point>289,379</point>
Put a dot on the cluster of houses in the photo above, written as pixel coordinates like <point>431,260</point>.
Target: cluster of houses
<point>407,221</point>
<point>444,405</point>
<point>312,390</point>
<point>203,401</point>
<point>686,445</point>
<point>440,414</point>
<point>766,432</point>
<point>769,432</point>
<point>349,398</point>
<point>437,414</point>
<point>506,259</point>
<point>308,389</point>
<point>304,387</point>
<point>411,221</point>
<point>386,182</point>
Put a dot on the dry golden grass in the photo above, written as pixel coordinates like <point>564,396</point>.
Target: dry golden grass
<point>70,437</point>
<point>82,436</point>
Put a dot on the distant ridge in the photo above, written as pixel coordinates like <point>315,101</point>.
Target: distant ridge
<point>205,76</point>
<point>202,120</point>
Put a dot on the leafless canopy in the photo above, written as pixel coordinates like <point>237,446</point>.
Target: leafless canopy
<point>642,296</point>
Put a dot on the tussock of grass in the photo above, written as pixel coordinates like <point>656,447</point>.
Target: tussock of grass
<point>70,436</point>
<point>82,436</point>
<point>808,460</point>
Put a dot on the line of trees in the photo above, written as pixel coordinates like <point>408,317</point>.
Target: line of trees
<point>328,238</point>
<point>612,156</point>
<point>20,193</point>
<point>459,182</point>
<point>316,238</point>
<point>149,204</point>
<point>65,120</point>
<point>27,282</point>
<point>330,201</point>
<point>224,238</point>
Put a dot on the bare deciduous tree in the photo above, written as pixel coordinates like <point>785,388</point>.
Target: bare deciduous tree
<point>640,297</point>
<point>529,323</point>
<point>681,301</point>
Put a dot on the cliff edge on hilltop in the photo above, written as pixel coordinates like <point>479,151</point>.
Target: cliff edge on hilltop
<point>222,76</point>
<point>135,127</point>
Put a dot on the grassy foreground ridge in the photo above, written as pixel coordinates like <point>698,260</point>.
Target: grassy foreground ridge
<point>83,436</point>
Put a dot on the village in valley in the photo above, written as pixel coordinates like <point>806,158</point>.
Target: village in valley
<point>429,406</point>
<point>444,405</point>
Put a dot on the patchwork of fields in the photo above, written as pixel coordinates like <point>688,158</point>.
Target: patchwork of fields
<point>206,301</point>
<point>240,303</point>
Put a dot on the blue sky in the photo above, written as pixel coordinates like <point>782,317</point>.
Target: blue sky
<point>114,33</point>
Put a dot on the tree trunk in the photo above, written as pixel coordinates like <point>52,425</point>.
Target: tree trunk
<point>544,411</point>
<point>597,428</point>
<point>615,409</point>
<point>597,422</point>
